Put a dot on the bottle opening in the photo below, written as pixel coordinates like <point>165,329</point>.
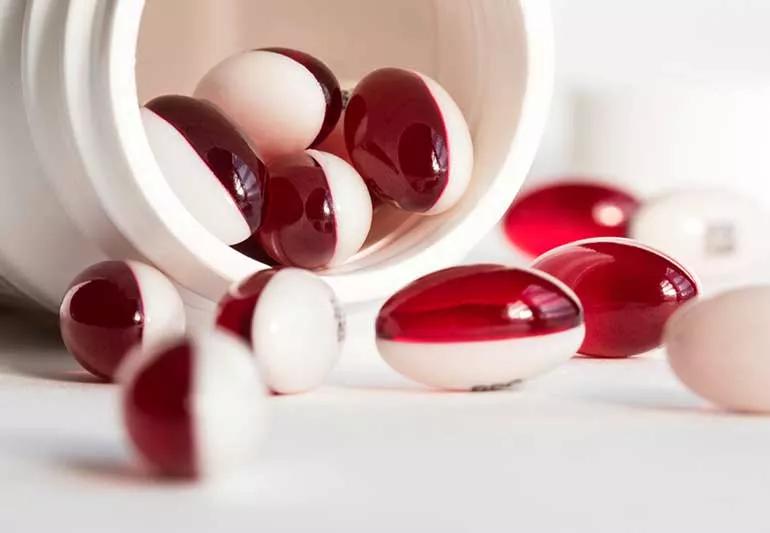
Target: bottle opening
<point>492,57</point>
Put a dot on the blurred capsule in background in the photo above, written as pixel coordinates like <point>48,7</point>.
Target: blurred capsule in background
<point>567,211</point>
<point>719,235</point>
<point>549,215</point>
<point>720,349</point>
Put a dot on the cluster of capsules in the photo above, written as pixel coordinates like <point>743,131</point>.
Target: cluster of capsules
<point>195,406</point>
<point>717,346</point>
<point>717,233</point>
<point>276,160</point>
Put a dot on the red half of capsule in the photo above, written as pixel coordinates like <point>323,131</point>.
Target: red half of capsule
<point>219,143</point>
<point>99,335</point>
<point>236,310</point>
<point>628,292</point>
<point>547,217</point>
<point>159,415</point>
<point>299,226</point>
<point>478,303</point>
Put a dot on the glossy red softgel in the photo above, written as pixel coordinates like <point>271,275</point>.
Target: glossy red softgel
<point>208,163</point>
<point>318,211</point>
<point>565,212</point>
<point>292,321</point>
<point>409,140</point>
<point>479,327</point>
<point>194,408</point>
<point>628,291</point>
<point>113,306</point>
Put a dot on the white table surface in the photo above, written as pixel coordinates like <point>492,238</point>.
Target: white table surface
<point>597,446</point>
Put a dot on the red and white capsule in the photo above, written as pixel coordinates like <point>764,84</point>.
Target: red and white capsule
<point>113,306</point>
<point>285,100</point>
<point>409,140</point>
<point>628,290</point>
<point>292,321</point>
<point>480,327</point>
<point>195,408</point>
<point>318,211</point>
<point>208,163</point>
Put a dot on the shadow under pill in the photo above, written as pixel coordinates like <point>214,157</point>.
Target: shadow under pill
<point>56,366</point>
<point>112,471</point>
<point>655,399</point>
<point>30,346</point>
<point>93,457</point>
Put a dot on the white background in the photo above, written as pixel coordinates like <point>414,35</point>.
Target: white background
<point>601,42</point>
<point>629,39</point>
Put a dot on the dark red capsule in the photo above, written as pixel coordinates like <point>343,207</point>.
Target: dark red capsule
<point>113,306</point>
<point>547,217</point>
<point>628,291</point>
<point>409,140</point>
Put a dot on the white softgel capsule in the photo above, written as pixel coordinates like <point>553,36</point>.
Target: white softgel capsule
<point>480,327</point>
<point>293,322</point>
<point>113,306</point>
<point>208,163</point>
<point>195,408</point>
<point>720,349</point>
<point>718,234</point>
<point>318,211</point>
<point>285,100</point>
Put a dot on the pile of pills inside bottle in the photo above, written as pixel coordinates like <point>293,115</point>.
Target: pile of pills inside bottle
<point>243,154</point>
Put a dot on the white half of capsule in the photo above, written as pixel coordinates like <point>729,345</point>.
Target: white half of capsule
<point>481,365</point>
<point>296,331</point>
<point>164,313</point>
<point>230,404</point>
<point>719,235</point>
<point>352,204</point>
<point>193,182</point>
<point>459,144</point>
<point>276,100</point>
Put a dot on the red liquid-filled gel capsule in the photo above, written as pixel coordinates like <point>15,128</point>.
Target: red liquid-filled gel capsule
<point>409,140</point>
<point>479,327</point>
<point>208,164</point>
<point>628,291</point>
<point>285,100</point>
<point>293,322</point>
<point>194,408</point>
<point>113,306</point>
<point>318,211</point>
<point>547,217</point>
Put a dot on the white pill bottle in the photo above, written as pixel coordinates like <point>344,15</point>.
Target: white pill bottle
<point>80,184</point>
